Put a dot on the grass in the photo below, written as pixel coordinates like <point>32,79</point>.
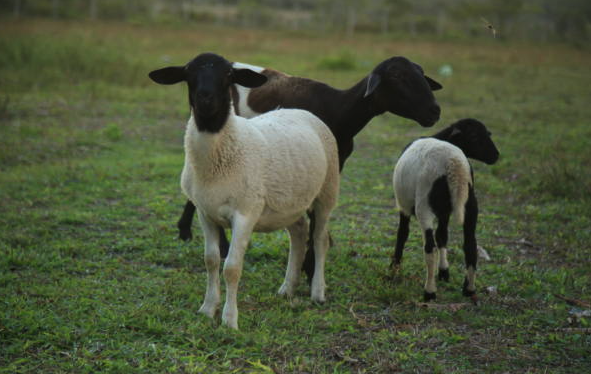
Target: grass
<point>92,278</point>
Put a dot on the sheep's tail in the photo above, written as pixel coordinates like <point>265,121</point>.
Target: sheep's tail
<point>459,181</point>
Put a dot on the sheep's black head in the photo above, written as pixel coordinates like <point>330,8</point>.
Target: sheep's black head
<point>474,139</point>
<point>400,86</point>
<point>209,78</point>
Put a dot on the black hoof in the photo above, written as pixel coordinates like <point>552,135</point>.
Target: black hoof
<point>443,275</point>
<point>428,296</point>
<point>466,292</point>
<point>185,234</point>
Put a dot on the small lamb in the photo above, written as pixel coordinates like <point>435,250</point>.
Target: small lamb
<point>432,179</point>
<point>259,174</point>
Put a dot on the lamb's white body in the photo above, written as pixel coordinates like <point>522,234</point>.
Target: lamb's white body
<point>261,174</point>
<point>419,166</point>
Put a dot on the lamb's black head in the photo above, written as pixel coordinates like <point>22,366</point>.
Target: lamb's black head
<point>209,78</point>
<point>400,86</point>
<point>474,139</point>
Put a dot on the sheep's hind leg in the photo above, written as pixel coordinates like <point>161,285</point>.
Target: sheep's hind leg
<point>470,247</point>
<point>298,233</point>
<point>212,264</point>
<point>426,218</point>
<point>322,214</point>
<point>441,239</point>
<point>242,227</point>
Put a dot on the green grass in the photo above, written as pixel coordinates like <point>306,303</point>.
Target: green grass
<point>93,279</point>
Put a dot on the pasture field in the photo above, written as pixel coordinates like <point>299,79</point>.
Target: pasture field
<point>93,279</point>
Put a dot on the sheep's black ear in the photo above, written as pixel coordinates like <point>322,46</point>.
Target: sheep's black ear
<point>248,78</point>
<point>169,75</point>
<point>433,84</point>
<point>372,83</point>
<point>455,132</point>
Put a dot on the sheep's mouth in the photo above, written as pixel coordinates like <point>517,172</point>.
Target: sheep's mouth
<point>206,110</point>
<point>431,117</point>
<point>492,160</point>
<point>429,122</point>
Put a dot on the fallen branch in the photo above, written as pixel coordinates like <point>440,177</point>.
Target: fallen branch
<point>454,307</point>
<point>575,302</point>
<point>576,330</point>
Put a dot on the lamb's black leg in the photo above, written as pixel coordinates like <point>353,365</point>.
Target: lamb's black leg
<point>430,261</point>
<point>470,248</point>
<point>184,223</point>
<point>309,261</point>
<point>401,238</point>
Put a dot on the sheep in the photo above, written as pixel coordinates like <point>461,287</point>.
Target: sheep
<point>396,85</point>
<point>433,179</point>
<point>258,174</point>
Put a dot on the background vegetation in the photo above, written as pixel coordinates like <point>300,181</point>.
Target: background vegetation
<point>538,20</point>
<point>93,279</point>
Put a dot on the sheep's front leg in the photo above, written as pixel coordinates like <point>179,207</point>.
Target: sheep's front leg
<point>242,227</point>
<point>184,223</point>
<point>401,237</point>
<point>470,247</point>
<point>212,264</point>
<point>298,233</point>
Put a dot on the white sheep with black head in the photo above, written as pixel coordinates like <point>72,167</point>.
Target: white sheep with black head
<point>433,179</point>
<point>259,174</point>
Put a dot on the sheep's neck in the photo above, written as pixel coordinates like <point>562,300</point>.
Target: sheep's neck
<point>356,111</point>
<point>444,135</point>
<point>213,154</point>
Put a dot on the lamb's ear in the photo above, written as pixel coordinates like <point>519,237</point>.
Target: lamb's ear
<point>169,75</point>
<point>248,78</point>
<point>433,84</point>
<point>455,132</point>
<point>372,83</point>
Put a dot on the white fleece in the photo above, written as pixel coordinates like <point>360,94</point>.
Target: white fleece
<point>423,162</point>
<point>261,174</point>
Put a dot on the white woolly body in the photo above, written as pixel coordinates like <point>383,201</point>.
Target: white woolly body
<point>276,163</point>
<point>261,174</point>
<point>420,165</point>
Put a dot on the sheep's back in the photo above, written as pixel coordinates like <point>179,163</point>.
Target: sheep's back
<point>301,149</point>
<point>423,162</point>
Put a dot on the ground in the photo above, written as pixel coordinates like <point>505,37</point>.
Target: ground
<point>92,277</point>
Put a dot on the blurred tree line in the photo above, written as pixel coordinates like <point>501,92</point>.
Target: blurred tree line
<point>542,20</point>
